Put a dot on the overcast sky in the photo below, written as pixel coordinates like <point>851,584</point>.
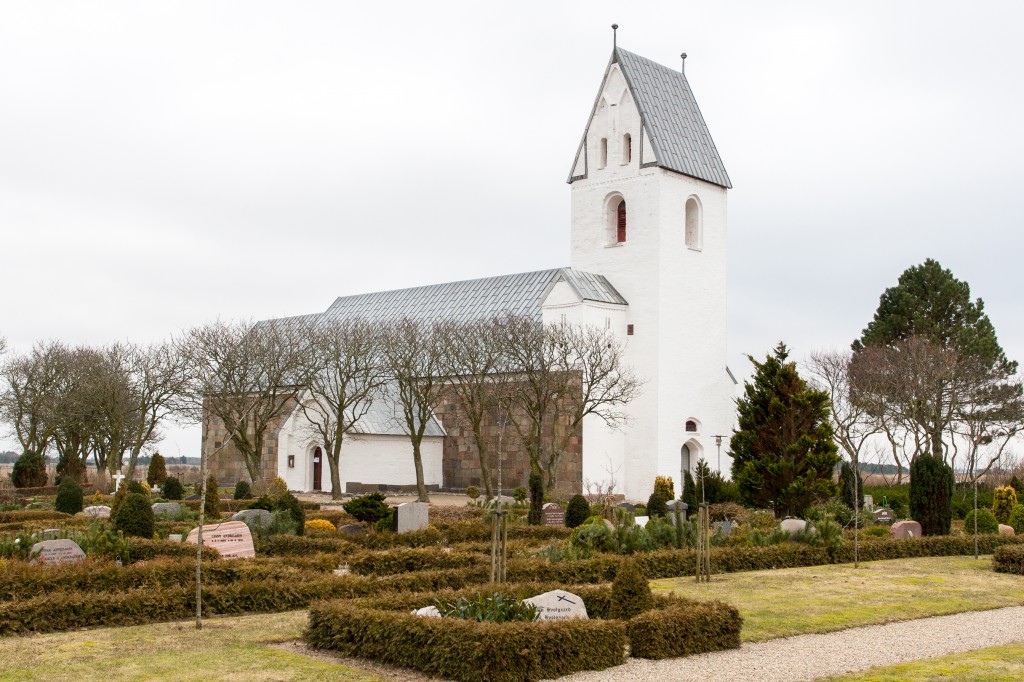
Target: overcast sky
<point>162,164</point>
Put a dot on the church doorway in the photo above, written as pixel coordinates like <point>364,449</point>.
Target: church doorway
<point>318,468</point>
<point>684,466</point>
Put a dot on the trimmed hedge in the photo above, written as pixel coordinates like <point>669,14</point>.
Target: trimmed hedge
<point>143,549</point>
<point>407,560</point>
<point>467,650</point>
<point>31,515</point>
<point>684,629</point>
<point>1009,559</point>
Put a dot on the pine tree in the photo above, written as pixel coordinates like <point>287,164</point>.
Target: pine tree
<point>157,473</point>
<point>931,495</point>
<point>783,452</point>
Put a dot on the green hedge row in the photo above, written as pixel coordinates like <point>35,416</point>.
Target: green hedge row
<point>22,581</point>
<point>468,650</point>
<point>1009,559</point>
<point>301,545</point>
<point>141,549</point>
<point>381,628</point>
<point>407,560</point>
<point>20,515</point>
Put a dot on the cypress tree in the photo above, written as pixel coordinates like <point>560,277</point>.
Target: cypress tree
<point>931,495</point>
<point>157,473</point>
<point>535,516</point>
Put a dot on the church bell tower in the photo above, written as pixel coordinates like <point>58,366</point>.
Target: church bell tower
<point>649,194</point>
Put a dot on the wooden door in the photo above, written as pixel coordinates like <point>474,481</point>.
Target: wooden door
<point>318,468</point>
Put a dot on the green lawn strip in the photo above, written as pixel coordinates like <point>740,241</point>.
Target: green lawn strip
<point>796,601</point>
<point>1003,663</point>
<point>236,649</point>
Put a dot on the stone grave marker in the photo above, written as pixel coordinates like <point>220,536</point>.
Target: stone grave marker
<point>641,520</point>
<point>176,537</point>
<point>258,517</point>
<point>554,515</point>
<point>883,515</point>
<point>427,612</point>
<point>351,529</point>
<point>1006,530</point>
<point>558,605</point>
<point>671,506</point>
<point>97,512</point>
<point>50,534</point>
<point>56,552</point>
<point>905,529</point>
<point>627,506</point>
<point>869,502</point>
<point>793,526</point>
<point>412,516</point>
<point>232,539</point>
<point>166,509</point>
<point>725,527</point>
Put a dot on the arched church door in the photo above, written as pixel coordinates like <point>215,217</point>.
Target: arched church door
<point>318,468</point>
<point>684,466</point>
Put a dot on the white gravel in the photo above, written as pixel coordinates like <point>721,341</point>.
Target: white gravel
<point>809,657</point>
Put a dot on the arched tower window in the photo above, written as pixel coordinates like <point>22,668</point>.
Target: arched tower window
<point>627,149</point>
<point>693,219</point>
<point>604,152</point>
<point>691,426</point>
<point>620,222</point>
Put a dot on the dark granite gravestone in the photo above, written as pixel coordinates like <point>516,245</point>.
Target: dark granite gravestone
<point>554,515</point>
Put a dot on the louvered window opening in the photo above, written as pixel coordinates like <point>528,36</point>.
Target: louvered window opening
<point>620,222</point>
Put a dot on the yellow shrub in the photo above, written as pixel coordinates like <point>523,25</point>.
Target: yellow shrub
<point>1004,502</point>
<point>664,486</point>
<point>319,526</point>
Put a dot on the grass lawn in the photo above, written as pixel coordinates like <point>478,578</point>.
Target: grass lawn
<point>798,601</point>
<point>236,649</point>
<point>1002,663</point>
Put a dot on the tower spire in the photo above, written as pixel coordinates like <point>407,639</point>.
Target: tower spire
<point>683,57</point>
<point>615,36</point>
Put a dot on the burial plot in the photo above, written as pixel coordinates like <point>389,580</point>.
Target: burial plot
<point>56,552</point>
<point>905,529</point>
<point>554,515</point>
<point>411,516</point>
<point>558,605</point>
<point>232,539</point>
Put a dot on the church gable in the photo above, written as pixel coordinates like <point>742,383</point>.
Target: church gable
<point>671,132</point>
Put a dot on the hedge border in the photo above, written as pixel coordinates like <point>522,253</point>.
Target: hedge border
<point>1009,559</point>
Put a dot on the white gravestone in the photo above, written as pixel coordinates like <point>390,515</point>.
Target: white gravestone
<point>232,539</point>
<point>427,612</point>
<point>412,516</point>
<point>97,512</point>
<point>642,520</point>
<point>117,481</point>
<point>166,509</point>
<point>793,526</point>
<point>558,605</point>
<point>56,552</point>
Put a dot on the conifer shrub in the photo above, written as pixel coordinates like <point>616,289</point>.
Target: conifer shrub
<point>536,483</point>
<point>69,496</point>
<point>263,502</point>
<point>157,473</point>
<point>1003,502</point>
<point>931,495</point>
<point>657,506</point>
<point>291,504</point>
<point>631,593</point>
<point>472,492</point>
<point>368,508</point>
<point>664,486</point>
<point>173,489</point>
<point>243,491</point>
<point>987,522</point>
<point>211,503</point>
<point>1016,520</point>
<point>520,494</point>
<point>122,492</point>
<point>1009,559</point>
<point>277,487</point>
<point>1018,486</point>
<point>29,471</point>
<point>137,488</point>
<point>135,516</point>
<point>577,511</point>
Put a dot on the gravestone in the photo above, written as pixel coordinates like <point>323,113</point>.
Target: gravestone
<point>883,515</point>
<point>627,506</point>
<point>554,515</point>
<point>671,506</point>
<point>793,526</point>
<point>257,517</point>
<point>641,520</point>
<point>56,552</point>
<point>166,509</point>
<point>725,527</point>
<point>558,605</point>
<point>232,539</point>
<point>176,537</point>
<point>351,529</point>
<point>192,498</point>
<point>50,534</point>
<point>427,612</point>
<point>412,516</point>
<point>905,529</point>
<point>97,512</point>
<point>1006,530</point>
<point>869,502</point>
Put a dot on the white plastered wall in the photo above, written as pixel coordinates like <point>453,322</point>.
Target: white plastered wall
<point>369,459</point>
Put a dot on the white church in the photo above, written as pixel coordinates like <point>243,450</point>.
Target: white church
<point>648,263</point>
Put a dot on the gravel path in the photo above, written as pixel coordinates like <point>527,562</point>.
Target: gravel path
<point>809,657</point>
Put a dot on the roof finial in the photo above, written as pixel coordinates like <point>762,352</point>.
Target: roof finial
<point>683,57</point>
<point>615,36</point>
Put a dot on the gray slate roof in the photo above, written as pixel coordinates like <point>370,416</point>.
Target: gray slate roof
<point>385,418</point>
<point>673,121</point>
<point>519,294</point>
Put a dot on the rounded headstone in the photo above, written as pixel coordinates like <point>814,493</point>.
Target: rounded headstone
<point>258,517</point>
<point>232,539</point>
<point>351,529</point>
<point>97,512</point>
<point>793,526</point>
<point>558,605</point>
<point>56,552</point>
<point>166,509</point>
<point>905,529</point>
<point>427,612</point>
<point>1006,530</point>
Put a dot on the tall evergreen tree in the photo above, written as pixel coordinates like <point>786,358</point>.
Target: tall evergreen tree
<point>848,483</point>
<point>783,452</point>
<point>931,495</point>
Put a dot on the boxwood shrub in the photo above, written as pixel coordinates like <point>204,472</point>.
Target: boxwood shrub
<point>1009,559</point>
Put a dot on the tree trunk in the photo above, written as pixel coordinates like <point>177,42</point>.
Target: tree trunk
<point>417,459</point>
<point>335,461</point>
<point>485,469</point>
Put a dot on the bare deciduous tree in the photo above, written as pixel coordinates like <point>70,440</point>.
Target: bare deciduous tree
<point>345,375</point>
<point>26,401</point>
